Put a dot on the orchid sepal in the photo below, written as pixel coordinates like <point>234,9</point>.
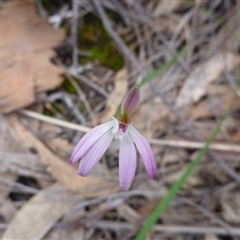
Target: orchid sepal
<point>131,101</point>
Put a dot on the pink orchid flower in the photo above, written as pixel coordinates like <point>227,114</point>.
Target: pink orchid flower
<point>94,144</point>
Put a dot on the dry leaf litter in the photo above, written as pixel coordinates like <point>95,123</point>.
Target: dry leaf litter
<point>75,61</point>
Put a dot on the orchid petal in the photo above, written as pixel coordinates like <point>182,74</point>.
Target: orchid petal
<point>145,151</point>
<point>130,102</point>
<point>94,154</point>
<point>89,139</point>
<point>127,162</point>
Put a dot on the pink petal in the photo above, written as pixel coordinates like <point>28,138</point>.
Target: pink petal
<point>89,139</point>
<point>127,162</point>
<point>94,154</point>
<point>130,102</point>
<point>145,151</point>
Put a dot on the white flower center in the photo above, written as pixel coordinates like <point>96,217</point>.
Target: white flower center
<point>119,131</point>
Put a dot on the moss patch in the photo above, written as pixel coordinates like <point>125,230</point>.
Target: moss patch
<point>68,87</point>
<point>93,37</point>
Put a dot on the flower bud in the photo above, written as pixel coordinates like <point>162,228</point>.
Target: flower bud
<point>130,102</point>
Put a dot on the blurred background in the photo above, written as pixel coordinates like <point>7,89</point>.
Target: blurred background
<point>66,65</point>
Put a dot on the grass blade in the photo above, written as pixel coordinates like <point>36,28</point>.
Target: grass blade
<point>176,187</point>
<point>163,68</point>
<point>158,71</point>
